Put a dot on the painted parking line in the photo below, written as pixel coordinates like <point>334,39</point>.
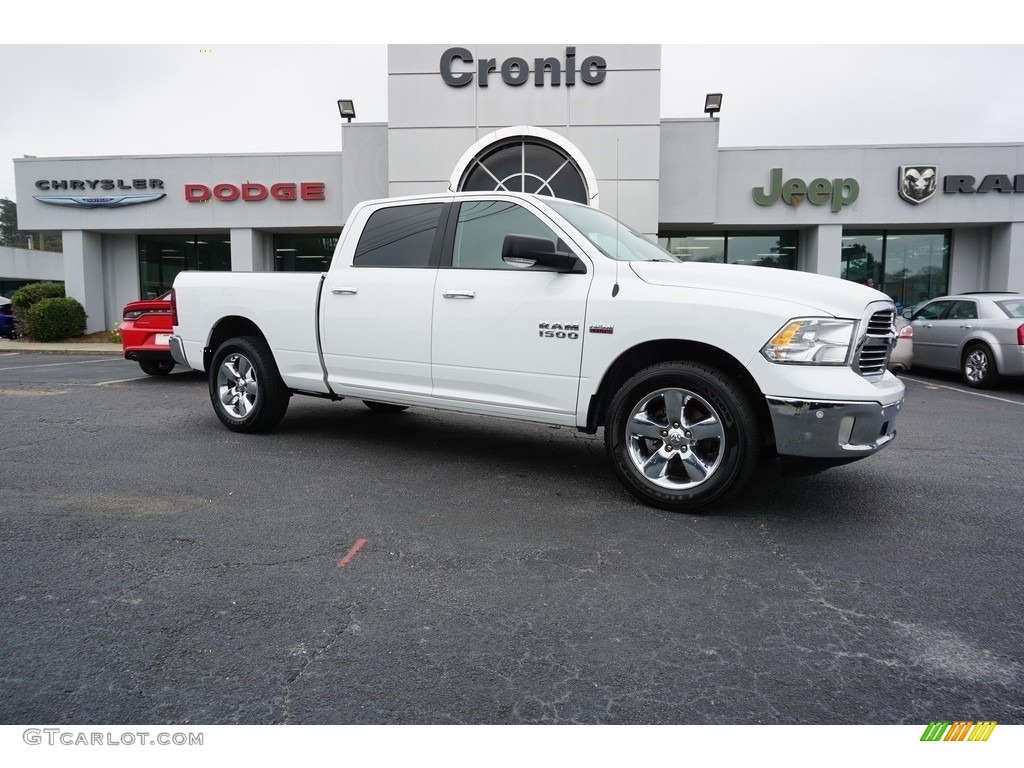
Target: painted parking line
<point>118,381</point>
<point>53,365</point>
<point>933,385</point>
<point>351,553</point>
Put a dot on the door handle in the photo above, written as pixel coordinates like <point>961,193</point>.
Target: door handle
<point>345,291</point>
<point>967,326</point>
<point>458,294</point>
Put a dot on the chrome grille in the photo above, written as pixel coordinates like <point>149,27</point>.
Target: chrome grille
<point>876,344</point>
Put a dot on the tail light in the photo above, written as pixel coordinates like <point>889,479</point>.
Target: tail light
<point>1020,335</point>
<point>907,332</point>
<point>174,309</point>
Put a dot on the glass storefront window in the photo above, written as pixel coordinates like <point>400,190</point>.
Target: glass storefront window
<point>776,250</point>
<point>305,252</point>
<point>706,248</point>
<point>911,267</point>
<point>862,256</point>
<point>916,267</point>
<point>162,257</point>
<point>760,249</point>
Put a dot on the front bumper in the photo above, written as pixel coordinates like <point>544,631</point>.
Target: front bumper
<point>832,429</point>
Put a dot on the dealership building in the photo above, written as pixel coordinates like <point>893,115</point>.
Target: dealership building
<point>577,121</point>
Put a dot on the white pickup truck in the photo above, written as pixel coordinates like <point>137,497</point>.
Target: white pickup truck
<point>534,308</point>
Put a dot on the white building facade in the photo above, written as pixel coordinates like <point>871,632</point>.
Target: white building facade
<point>576,121</point>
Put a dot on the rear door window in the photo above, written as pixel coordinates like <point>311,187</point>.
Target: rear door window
<point>963,310</point>
<point>401,236</point>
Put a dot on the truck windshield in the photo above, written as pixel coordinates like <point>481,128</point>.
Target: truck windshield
<point>613,238</point>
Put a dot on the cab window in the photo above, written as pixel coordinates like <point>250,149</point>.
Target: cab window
<point>481,229</point>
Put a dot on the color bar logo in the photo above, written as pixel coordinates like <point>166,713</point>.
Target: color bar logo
<point>960,730</point>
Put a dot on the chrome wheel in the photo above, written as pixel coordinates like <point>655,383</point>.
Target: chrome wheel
<point>675,438</point>
<point>682,435</point>
<point>976,366</point>
<point>246,389</point>
<point>238,386</point>
<point>978,369</point>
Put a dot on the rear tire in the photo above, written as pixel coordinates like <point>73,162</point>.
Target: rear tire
<point>978,368</point>
<point>246,389</point>
<point>682,436</point>
<point>156,367</point>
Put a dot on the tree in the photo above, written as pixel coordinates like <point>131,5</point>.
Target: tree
<point>9,234</point>
<point>13,237</point>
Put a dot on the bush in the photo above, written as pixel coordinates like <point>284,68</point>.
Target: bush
<point>54,319</point>
<point>27,295</point>
<point>23,299</point>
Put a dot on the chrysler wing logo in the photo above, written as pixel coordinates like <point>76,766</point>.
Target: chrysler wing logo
<point>112,201</point>
<point>918,182</point>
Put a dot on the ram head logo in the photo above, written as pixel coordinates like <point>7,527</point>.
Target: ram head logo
<point>918,182</point>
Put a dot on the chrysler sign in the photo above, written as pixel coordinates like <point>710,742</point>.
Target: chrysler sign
<point>100,190</point>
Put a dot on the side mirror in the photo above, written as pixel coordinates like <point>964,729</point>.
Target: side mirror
<point>908,312</point>
<point>525,251</point>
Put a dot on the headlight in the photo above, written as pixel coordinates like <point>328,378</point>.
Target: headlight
<point>811,341</point>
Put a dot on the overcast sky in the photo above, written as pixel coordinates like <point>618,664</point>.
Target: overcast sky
<point>75,99</point>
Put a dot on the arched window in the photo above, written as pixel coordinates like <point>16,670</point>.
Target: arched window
<point>526,164</point>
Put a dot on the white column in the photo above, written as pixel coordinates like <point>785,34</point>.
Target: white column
<point>1006,260</point>
<point>248,251</point>
<point>83,275</point>
<point>822,250</point>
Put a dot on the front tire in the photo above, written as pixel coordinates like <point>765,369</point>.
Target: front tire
<point>977,368</point>
<point>155,367</point>
<point>246,389</point>
<point>682,436</point>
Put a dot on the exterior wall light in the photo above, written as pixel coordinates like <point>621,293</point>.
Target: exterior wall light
<point>347,108</point>
<point>713,103</point>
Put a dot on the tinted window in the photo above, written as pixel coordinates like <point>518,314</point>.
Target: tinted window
<point>482,228</point>
<point>398,237</point>
<point>932,311</point>
<point>963,310</point>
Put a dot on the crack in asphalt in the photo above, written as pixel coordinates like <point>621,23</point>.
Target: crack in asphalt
<point>284,717</point>
<point>945,651</point>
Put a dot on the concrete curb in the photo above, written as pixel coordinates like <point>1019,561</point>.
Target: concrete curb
<point>60,348</point>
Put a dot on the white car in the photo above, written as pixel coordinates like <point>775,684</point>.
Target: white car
<point>902,357</point>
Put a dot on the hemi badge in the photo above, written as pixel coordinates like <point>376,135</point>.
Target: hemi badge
<point>602,329</point>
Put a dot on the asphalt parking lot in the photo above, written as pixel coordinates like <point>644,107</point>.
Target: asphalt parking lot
<point>424,567</point>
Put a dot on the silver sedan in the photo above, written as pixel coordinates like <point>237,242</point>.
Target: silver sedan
<point>981,335</point>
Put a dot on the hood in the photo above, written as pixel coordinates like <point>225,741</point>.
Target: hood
<point>818,293</point>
